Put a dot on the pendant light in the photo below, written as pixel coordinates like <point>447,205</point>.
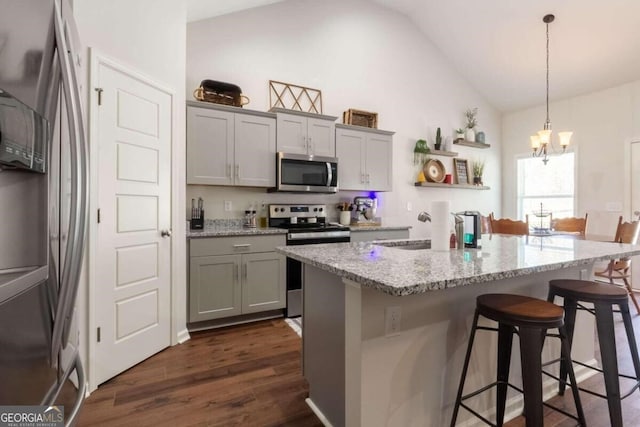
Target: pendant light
<point>541,142</point>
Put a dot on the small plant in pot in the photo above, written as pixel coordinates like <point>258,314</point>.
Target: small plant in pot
<point>478,170</point>
<point>459,134</point>
<point>438,144</point>
<point>420,152</point>
<point>472,122</point>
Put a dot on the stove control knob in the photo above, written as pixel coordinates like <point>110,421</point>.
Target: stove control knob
<point>321,209</point>
<point>315,209</point>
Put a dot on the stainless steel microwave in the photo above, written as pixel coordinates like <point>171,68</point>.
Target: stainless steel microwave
<point>306,174</point>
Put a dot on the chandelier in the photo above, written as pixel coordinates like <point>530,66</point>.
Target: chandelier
<point>541,142</point>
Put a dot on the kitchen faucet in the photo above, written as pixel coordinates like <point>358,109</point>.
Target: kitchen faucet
<point>424,217</point>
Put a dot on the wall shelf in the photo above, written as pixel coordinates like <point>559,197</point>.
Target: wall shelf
<point>471,143</point>
<point>443,153</point>
<point>452,186</point>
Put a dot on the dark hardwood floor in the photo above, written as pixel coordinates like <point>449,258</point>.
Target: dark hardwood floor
<point>250,375</point>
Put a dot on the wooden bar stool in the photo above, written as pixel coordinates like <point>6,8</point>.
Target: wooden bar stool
<point>529,318</point>
<point>603,297</point>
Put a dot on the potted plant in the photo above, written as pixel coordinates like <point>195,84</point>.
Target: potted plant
<point>472,122</point>
<point>478,170</point>
<point>438,143</point>
<point>459,134</point>
<point>420,152</point>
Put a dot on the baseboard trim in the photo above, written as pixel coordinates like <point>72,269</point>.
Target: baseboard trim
<point>183,336</point>
<point>325,422</point>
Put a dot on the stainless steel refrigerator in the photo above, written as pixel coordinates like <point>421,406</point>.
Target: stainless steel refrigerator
<point>43,201</point>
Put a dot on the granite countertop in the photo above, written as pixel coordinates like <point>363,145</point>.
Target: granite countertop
<point>383,266</point>
<point>233,227</point>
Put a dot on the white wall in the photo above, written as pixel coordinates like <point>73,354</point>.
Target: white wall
<point>148,36</point>
<point>604,123</point>
<point>361,55</point>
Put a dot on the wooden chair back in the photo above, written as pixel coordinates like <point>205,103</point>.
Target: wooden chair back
<point>485,222</point>
<point>627,232</point>
<point>509,226</point>
<point>571,224</point>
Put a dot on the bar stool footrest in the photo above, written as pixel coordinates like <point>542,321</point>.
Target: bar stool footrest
<point>595,368</point>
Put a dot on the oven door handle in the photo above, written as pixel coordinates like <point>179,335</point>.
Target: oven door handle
<point>329,174</point>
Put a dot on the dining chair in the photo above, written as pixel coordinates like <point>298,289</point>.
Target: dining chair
<point>485,223</point>
<point>570,224</point>
<point>509,226</point>
<point>626,232</point>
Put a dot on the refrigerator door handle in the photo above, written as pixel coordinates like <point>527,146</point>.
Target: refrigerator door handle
<point>52,395</point>
<point>77,220</point>
<point>83,160</point>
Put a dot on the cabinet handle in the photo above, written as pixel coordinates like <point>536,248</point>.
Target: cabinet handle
<point>310,146</point>
<point>244,270</point>
<point>368,179</point>
<point>228,170</point>
<point>237,272</point>
<point>242,246</point>
<point>362,179</point>
<point>238,171</point>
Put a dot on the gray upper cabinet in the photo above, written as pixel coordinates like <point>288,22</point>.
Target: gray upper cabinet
<point>230,148</point>
<point>301,133</point>
<point>365,158</point>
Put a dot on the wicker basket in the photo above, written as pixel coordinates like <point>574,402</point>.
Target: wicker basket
<point>226,98</point>
<point>360,118</point>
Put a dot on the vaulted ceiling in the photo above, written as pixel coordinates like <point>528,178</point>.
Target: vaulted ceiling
<point>499,45</point>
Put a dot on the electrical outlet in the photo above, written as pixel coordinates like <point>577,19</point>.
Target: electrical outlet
<point>409,206</point>
<point>392,316</point>
<point>228,206</point>
<point>583,274</point>
<point>613,207</point>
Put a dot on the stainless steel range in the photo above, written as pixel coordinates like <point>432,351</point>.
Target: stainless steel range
<point>306,224</point>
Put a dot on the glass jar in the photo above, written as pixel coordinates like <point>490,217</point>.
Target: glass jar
<point>249,219</point>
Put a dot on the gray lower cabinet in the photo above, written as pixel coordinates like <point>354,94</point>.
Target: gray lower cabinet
<point>230,284</point>
<point>370,235</point>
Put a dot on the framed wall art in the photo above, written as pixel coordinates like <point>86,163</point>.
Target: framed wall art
<point>461,170</point>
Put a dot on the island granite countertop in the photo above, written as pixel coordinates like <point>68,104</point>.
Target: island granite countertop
<point>387,267</point>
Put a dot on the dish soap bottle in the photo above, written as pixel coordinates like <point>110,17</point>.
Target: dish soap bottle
<point>263,215</point>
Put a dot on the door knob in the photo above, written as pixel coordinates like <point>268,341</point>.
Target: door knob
<point>165,233</point>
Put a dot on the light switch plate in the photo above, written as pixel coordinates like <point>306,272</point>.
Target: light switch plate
<point>228,206</point>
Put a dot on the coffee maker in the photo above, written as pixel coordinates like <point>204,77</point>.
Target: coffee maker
<point>472,229</point>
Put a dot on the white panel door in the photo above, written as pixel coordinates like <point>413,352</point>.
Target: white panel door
<point>132,289</point>
<point>292,134</point>
<point>255,151</point>
<point>321,137</point>
<point>350,150</point>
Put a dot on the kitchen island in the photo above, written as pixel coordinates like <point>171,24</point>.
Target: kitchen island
<point>368,368</point>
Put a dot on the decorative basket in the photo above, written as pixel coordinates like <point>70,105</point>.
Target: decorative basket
<point>220,93</point>
<point>360,118</point>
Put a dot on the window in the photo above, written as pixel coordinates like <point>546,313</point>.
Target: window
<point>551,184</point>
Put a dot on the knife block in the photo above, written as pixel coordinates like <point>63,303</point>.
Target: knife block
<point>197,223</point>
